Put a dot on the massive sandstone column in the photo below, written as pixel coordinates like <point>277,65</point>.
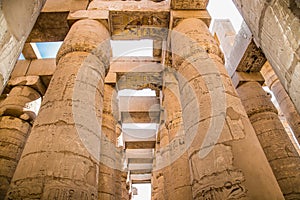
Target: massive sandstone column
<point>286,105</point>
<point>15,124</point>
<point>17,18</point>
<point>221,140</point>
<point>275,28</point>
<point>107,176</point>
<point>280,152</point>
<point>178,182</point>
<point>60,159</point>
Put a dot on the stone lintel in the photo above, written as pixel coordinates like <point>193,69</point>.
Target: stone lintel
<point>178,15</point>
<point>141,171</point>
<point>140,117</point>
<point>111,78</point>
<point>129,5</point>
<point>134,135</point>
<point>139,104</point>
<point>140,160</point>
<point>129,66</point>
<point>139,153</point>
<point>50,27</point>
<point>66,5</point>
<point>140,181</point>
<point>140,177</point>
<point>100,15</point>
<point>34,82</point>
<point>136,24</point>
<point>134,59</point>
<point>20,69</point>
<point>139,80</point>
<point>138,138</point>
<point>239,78</point>
<point>189,4</point>
<point>140,145</point>
<point>36,67</point>
<point>28,51</point>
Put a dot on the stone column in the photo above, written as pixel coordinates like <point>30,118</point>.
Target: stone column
<point>107,168</point>
<point>178,183</point>
<point>280,152</point>
<point>286,105</point>
<point>60,159</point>
<point>125,186</point>
<point>119,164</point>
<point>159,187</point>
<point>15,124</point>
<point>219,134</point>
<point>17,18</point>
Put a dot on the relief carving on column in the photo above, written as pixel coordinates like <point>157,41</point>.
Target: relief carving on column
<point>221,180</point>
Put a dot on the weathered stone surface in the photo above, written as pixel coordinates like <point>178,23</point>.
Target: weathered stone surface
<point>66,131</point>
<point>224,33</point>
<point>50,27</point>
<point>178,15</point>
<point>239,78</point>
<point>242,175</point>
<point>275,27</point>
<point>284,101</point>
<point>68,5</point>
<point>16,20</point>
<point>279,150</point>
<point>13,135</point>
<point>138,25</point>
<point>107,168</point>
<point>28,52</point>
<point>189,4</point>
<point>17,103</point>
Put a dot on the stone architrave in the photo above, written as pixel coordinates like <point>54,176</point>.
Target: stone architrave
<point>219,134</point>
<point>60,159</point>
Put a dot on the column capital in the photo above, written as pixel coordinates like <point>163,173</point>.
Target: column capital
<point>34,82</point>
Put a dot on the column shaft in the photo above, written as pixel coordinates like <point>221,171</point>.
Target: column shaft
<point>283,99</point>
<point>60,159</point>
<point>280,152</point>
<point>107,169</point>
<point>220,138</point>
<point>15,125</point>
<point>179,182</point>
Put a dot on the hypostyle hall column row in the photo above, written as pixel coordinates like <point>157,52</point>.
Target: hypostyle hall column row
<point>220,154</point>
<point>279,150</point>
<point>60,159</point>
<point>16,121</point>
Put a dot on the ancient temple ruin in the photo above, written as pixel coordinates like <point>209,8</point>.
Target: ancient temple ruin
<point>204,129</point>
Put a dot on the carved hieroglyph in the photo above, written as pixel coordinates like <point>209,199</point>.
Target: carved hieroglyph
<point>215,122</point>
<point>62,152</point>
<point>139,24</point>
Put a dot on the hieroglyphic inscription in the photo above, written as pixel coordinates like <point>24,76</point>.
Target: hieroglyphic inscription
<point>189,4</point>
<point>139,80</point>
<point>138,25</point>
